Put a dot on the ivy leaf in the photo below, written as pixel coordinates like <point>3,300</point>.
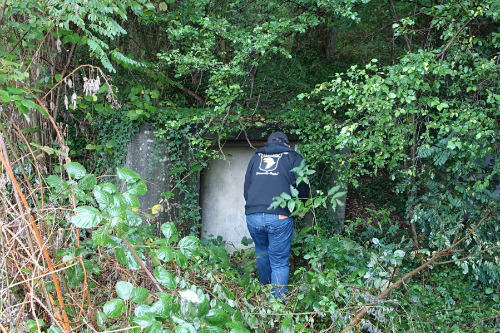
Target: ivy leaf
<point>189,245</point>
<point>114,308</point>
<point>165,278</point>
<point>170,231</point>
<point>139,294</point>
<point>75,170</point>
<point>124,289</point>
<point>127,175</point>
<point>86,217</point>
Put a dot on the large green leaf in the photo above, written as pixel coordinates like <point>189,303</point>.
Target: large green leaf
<point>56,182</point>
<point>189,245</point>
<point>87,182</point>
<point>127,175</point>
<point>137,188</point>
<point>165,277</point>
<point>124,289</point>
<point>148,323</point>
<point>132,218</point>
<point>170,232</point>
<point>86,217</point>
<point>139,294</point>
<point>131,200</point>
<point>75,170</point>
<point>114,308</point>
<point>217,317</point>
<point>165,254</point>
<point>102,197</point>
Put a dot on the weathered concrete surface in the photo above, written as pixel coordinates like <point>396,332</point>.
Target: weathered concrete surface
<point>222,201</point>
<point>149,158</point>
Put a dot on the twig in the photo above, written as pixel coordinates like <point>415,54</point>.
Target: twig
<point>143,266</point>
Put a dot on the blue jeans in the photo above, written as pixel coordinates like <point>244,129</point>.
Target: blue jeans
<point>272,238</point>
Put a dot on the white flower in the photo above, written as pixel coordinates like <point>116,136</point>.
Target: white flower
<point>73,100</point>
<point>66,102</point>
<point>190,296</point>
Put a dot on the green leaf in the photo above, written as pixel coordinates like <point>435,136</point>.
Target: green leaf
<point>126,258</point>
<point>148,323</point>
<point>100,236</point>
<point>131,200</point>
<point>54,329</point>
<point>165,278</point>
<point>137,188</point>
<point>102,197</point>
<point>101,318</point>
<point>127,175</point>
<point>165,254</point>
<point>75,170</point>
<point>180,259</point>
<point>132,218</point>
<point>141,310</point>
<point>338,195</point>
<point>56,182</point>
<point>203,306</point>
<point>217,317</point>
<point>293,191</point>
<point>189,245</point>
<point>86,217</point>
<point>114,308</point>
<point>291,205</point>
<point>108,187</point>
<point>170,232</point>
<point>124,289</point>
<point>139,294</point>
<point>162,307</point>
<point>87,182</point>
<point>287,325</point>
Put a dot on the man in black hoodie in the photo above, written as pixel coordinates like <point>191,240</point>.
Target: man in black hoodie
<point>269,175</point>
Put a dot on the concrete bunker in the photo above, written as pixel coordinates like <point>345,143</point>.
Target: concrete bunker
<point>220,183</point>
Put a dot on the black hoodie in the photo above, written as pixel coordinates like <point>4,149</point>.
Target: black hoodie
<point>268,175</point>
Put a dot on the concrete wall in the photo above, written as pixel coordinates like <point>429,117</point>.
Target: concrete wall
<point>150,160</point>
<point>222,201</point>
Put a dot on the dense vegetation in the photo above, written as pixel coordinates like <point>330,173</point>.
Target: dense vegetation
<point>405,93</point>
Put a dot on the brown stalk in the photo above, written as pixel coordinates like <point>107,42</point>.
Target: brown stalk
<point>20,196</point>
